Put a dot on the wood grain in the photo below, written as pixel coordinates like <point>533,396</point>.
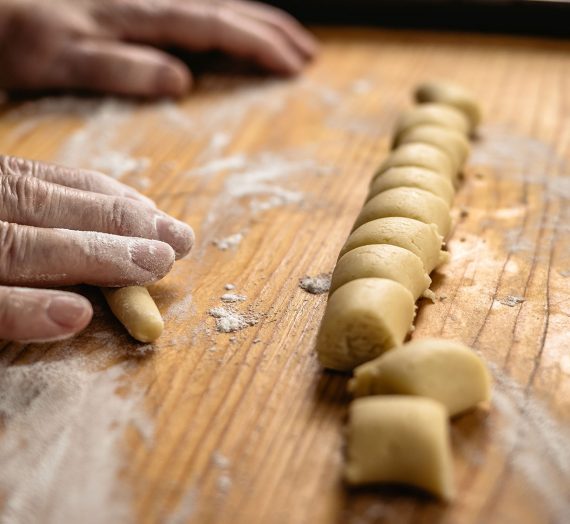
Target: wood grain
<point>258,396</point>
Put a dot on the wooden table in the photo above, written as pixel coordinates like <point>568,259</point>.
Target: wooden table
<point>245,427</point>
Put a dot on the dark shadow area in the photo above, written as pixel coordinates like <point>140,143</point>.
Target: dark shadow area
<point>543,18</point>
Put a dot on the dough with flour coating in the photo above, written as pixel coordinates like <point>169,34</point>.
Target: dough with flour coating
<point>363,319</point>
<point>407,202</point>
<point>443,370</point>
<point>453,95</point>
<point>382,261</point>
<point>417,177</point>
<point>452,142</point>
<point>418,237</point>
<point>419,155</point>
<point>400,440</point>
<point>136,310</point>
<point>432,114</point>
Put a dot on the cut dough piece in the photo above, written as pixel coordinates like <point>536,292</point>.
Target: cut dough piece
<point>452,95</point>
<point>400,440</point>
<point>419,155</point>
<point>433,114</point>
<point>446,371</point>
<point>421,239</point>
<point>382,261</point>
<point>407,202</point>
<point>136,310</point>
<point>417,177</point>
<point>452,142</point>
<point>363,319</point>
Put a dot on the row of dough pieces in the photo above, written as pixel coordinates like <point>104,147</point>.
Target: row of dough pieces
<point>400,433</point>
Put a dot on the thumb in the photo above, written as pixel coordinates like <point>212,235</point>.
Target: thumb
<point>120,68</point>
<point>40,315</point>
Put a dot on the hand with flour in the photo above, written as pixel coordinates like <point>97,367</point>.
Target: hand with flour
<point>114,45</point>
<point>60,227</point>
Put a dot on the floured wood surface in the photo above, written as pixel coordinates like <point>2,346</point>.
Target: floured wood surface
<point>243,427</point>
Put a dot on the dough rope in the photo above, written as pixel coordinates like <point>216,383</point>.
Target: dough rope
<point>398,432</point>
<point>135,309</point>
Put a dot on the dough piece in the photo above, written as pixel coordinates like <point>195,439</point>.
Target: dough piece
<point>446,371</point>
<point>433,114</point>
<point>417,177</point>
<point>363,319</point>
<point>400,440</point>
<point>419,155</point>
<point>382,261</point>
<point>136,310</point>
<point>407,202</point>
<point>452,95</point>
<point>421,239</point>
<point>452,142</point>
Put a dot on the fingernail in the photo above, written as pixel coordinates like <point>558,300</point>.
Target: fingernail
<point>179,235</point>
<point>69,311</point>
<point>153,256</point>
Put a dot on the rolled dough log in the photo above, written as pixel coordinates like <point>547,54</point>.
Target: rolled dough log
<point>417,177</point>
<point>419,155</point>
<point>421,239</point>
<point>452,142</point>
<point>382,261</point>
<point>363,319</point>
<point>432,114</point>
<point>136,310</point>
<point>407,202</point>
<point>452,95</point>
<point>400,440</point>
<point>443,370</point>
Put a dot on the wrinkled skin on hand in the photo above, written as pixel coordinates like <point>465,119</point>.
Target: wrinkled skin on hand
<point>60,227</point>
<point>114,45</point>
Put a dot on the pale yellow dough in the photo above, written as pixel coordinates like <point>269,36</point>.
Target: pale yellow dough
<point>136,310</point>
<point>400,440</point>
<point>363,319</point>
<point>407,202</point>
<point>432,114</point>
<point>419,155</point>
<point>446,371</point>
<point>417,177</point>
<point>452,142</point>
<point>382,261</point>
<point>452,95</point>
<point>421,239</point>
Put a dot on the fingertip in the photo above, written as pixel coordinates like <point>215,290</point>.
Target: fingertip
<point>173,79</point>
<point>70,312</point>
<point>154,256</point>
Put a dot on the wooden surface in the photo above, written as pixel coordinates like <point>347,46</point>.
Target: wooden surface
<point>257,398</point>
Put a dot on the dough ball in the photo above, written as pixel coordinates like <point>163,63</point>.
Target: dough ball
<point>417,177</point>
<point>407,202</point>
<point>452,142</point>
<point>452,95</point>
<point>382,261</point>
<point>446,371</point>
<point>135,309</point>
<point>420,155</point>
<point>400,440</point>
<point>418,237</point>
<point>363,319</point>
<point>432,114</point>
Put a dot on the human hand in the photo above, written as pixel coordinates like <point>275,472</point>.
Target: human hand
<point>110,45</point>
<point>60,227</point>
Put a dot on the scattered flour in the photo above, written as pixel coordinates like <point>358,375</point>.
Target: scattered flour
<point>229,320</point>
<point>221,461</point>
<point>62,440</point>
<point>511,300</point>
<point>229,287</point>
<point>224,483</point>
<point>231,242</point>
<point>232,297</point>
<point>536,442</point>
<point>316,285</point>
